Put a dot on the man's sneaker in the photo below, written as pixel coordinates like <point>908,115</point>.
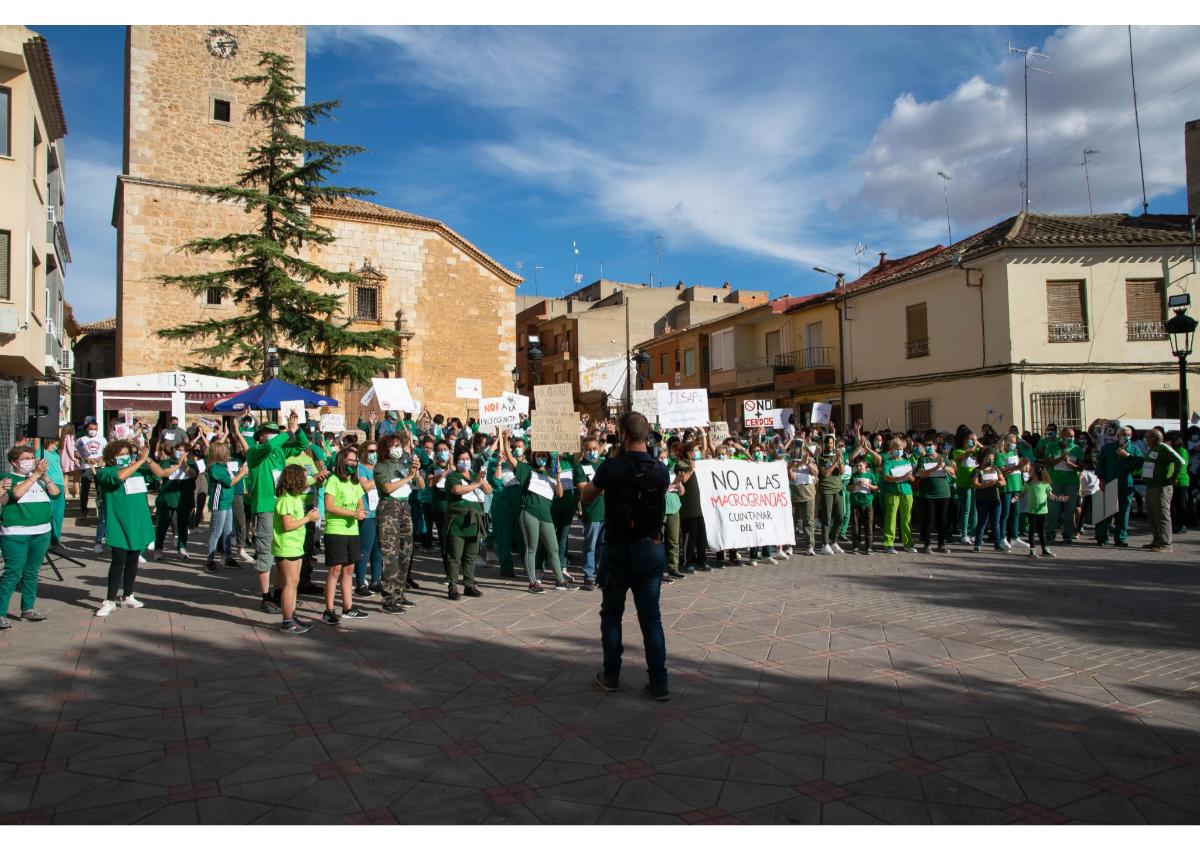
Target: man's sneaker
<point>890,550</point>
<point>294,627</point>
<point>142,558</point>
<point>362,590</point>
<point>968,540</point>
<point>658,693</point>
<point>925,550</point>
<point>1005,545</point>
<point>330,616</point>
<point>1046,553</point>
<point>536,587</point>
<point>354,614</point>
<point>472,591</point>
<point>183,554</point>
<point>826,550</point>
<point>1032,552</point>
<point>675,574</point>
<point>564,586</point>
<point>606,684</point>
<point>589,584</point>
<point>106,608</point>
<point>131,601</point>
<point>210,567</point>
<point>33,616</point>
<point>838,550</point>
<point>393,606</point>
<point>4,624</point>
<point>666,579</point>
<point>810,551</point>
<point>154,556</point>
<point>269,607</point>
<point>912,550</point>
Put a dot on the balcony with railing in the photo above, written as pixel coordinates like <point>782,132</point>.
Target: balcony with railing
<point>1143,331</point>
<point>916,348</point>
<point>1066,332</point>
<point>808,367</point>
<point>755,372</point>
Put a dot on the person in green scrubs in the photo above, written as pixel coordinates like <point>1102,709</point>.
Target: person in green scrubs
<point>539,485</point>
<point>506,500</point>
<point>49,451</point>
<point>564,507</point>
<point>176,494</point>
<point>122,480</point>
<point>898,479</point>
<point>466,492</point>
<point>1064,459</point>
<point>25,529</point>
<point>964,455</point>
<point>1118,463</point>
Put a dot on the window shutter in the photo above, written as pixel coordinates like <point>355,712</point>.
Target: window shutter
<point>918,323</point>
<point>1064,302</point>
<point>5,282</point>
<point>1143,301</point>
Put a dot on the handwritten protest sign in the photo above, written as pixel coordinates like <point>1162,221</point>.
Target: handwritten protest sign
<point>683,408</point>
<point>718,431</point>
<point>555,431</point>
<point>520,401</point>
<point>553,397</point>
<point>759,413</point>
<point>820,413</point>
<point>745,504</point>
<point>500,412</point>
<point>468,388</point>
<point>286,408</point>
<point>645,402</point>
<point>333,422</point>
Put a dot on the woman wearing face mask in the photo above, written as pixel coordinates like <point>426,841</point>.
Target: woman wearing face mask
<point>934,476</point>
<point>1008,461</point>
<point>222,486</point>
<point>397,475</point>
<point>176,494</point>
<point>802,470</point>
<point>592,513</point>
<point>673,504</point>
<point>25,528</point>
<point>988,483</point>
<point>70,460</point>
<point>467,487</point>
<point>539,485</point>
<point>829,470</point>
<point>436,479</point>
<point>372,555</point>
<point>506,501</point>
<point>562,509</point>
<point>423,499</point>
<point>344,510</point>
<point>50,452</point>
<point>966,449</point>
<point>693,545</point>
<point>122,482</point>
<point>898,479</point>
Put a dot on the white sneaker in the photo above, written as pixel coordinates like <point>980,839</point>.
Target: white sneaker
<point>809,551</point>
<point>826,550</point>
<point>131,601</point>
<point>142,558</point>
<point>183,553</point>
<point>245,556</point>
<point>99,548</point>
<point>154,556</point>
<point>107,608</point>
<point>968,540</point>
<point>838,550</point>
<point>1005,545</point>
<point>912,550</point>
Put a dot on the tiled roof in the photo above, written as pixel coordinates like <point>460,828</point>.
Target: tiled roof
<point>360,210</point>
<point>45,84</point>
<point>109,324</point>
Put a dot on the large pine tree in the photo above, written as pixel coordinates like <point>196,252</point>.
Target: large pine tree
<point>284,300</point>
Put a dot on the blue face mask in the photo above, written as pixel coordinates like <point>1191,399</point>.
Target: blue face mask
<point>124,460</point>
<point>518,452</point>
<point>463,465</point>
<point>697,455</point>
<point>593,455</point>
<point>372,457</point>
<point>443,456</point>
<point>541,462</point>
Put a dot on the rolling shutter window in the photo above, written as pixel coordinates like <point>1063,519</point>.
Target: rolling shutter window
<point>918,323</point>
<point>1064,302</point>
<point>1144,301</point>
<point>5,272</point>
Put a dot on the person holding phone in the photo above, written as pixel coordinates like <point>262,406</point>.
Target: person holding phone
<point>397,475</point>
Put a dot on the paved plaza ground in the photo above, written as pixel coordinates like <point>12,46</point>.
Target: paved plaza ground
<point>909,689</point>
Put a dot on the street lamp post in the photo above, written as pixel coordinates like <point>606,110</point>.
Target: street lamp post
<point>840,277</point>
<point>642,361</point>
<point>535,362</point>
<point>1182,330</point>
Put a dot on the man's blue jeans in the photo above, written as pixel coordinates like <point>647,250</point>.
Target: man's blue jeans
<point>637,567</point>
<point>592,532</point>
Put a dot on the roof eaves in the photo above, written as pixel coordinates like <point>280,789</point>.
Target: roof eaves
<point>45,86</point>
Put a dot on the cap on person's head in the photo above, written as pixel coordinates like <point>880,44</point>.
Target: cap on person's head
<point>267,428</point>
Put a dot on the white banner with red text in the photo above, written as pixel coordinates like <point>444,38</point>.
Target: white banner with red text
<point>744,504</point>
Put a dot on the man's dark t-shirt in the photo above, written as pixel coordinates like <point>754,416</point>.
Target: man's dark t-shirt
<point>613,477</point>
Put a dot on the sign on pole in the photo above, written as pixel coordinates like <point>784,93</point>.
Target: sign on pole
<point>499,412</point>
<point>683,408</point>
<point>393,394</point>
<point>521,402</point>
<point>555,431</point>
<point>645,402</point>
<point>759,413</point>
<point>745,504</point>
<point>468,388</point>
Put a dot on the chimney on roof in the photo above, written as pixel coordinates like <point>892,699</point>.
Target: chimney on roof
<point>1191,156</point>
<point>726,285</point>
<point>882,257</point>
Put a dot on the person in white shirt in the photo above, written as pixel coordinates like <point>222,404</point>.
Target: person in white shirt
<point>1089,485</point>
<point>90,451</point>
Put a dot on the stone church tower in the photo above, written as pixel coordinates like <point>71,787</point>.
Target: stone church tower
<point>185,125</point>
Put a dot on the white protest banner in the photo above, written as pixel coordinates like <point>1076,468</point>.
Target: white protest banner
<point>820,413</point>
<point>121,431</point>
<point>521,402</point>
<point>499,412</point>
<point>554,397</point>
<point>718,431</point>
<point>683,408</point>
<point>333,422</point>
<point>661,386</point>
<point>555,431</point>
<point>759,413</point>
<point>367,397</point>
<point>645,402</point>
<point>393,394</point>
<point>781,417</point>
<point>468,388</point>
<point>287,408</point>
<point>745,504</point>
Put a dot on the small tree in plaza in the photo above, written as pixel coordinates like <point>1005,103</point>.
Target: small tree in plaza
<point>282,298</point>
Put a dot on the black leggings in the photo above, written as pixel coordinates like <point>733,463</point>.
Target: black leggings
<point>122,571</point>
<point>933,520</point>
<point>1037,522</point>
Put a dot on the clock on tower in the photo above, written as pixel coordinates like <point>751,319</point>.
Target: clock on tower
<point>221,43</point>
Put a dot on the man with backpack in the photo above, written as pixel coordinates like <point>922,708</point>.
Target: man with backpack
<point>634,486</point>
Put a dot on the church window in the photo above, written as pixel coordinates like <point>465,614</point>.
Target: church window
<point>222,111</point>
<point>366,295</point>
<point>213,296</point>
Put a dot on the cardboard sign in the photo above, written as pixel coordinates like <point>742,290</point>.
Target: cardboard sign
<point>468,388</point>
<point>554,397</point>
<point>820,413</point>
<point>645,402</point>
<point>745,504</point>
<point>521,401</point>
<point>286,408</point>
<point>500,412</point>
<point>393,394</point>
<point>759,413</point>
<point>333,422</point>
<point>718,432</point>
<point>555,431</point>
<point>683,408</point>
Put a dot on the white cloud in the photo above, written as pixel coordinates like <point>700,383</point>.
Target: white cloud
<point>92,167</point>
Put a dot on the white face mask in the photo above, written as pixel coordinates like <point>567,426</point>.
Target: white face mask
<point>25,467</point>
<point>395,452</point>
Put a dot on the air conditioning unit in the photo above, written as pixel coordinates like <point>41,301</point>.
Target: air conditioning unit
<point>51,214</point>
<point>67,360</point>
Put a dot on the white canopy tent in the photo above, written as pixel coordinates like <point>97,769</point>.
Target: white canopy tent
<point>180,393</point>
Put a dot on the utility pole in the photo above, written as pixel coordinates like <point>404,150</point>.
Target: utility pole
<point>1137,123</point>
<point>1088,180</point>
<point>1026,53</point>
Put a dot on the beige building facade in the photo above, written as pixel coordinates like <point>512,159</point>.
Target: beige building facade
<point>454,308</point>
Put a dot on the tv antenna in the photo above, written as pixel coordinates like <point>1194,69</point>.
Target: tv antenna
<point>658,240</point>
<point>860,251</point>
<point>946,178</point>
<point>1026,52</point>
<point>1086,179</point>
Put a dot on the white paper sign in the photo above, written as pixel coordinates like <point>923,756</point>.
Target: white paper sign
<point>393,394</point>
<point>368,396</point>
<point>645,402</point>
<point>745,504</point>
<point>683,408</point>
<point>468,388</point>
<point>373,499</point>
<point>759,413</point>
<point>820,413</point>
<point>661,386</point>
<point>718,431</point>
<point>541,485</point>
<point>521,402</point>
<point>286,408</point>
<point>554,397</point>
<point>135,485</point>
<point>899,470</point>
<point>333,423</point>
<point>499,412</point>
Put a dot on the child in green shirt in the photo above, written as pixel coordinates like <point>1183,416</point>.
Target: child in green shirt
<point>863,486</point>
<point>1039,492</point>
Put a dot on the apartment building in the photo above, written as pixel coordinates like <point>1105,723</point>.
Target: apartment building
<point>34,345</point>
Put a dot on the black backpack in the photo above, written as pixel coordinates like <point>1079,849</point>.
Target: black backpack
<point>638,512</point>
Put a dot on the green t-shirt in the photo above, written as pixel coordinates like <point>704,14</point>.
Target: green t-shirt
<point>220,486</point>
<point>126,509</point>
<point>1068,478</point>
<point>865,496</point>
<point>30,515</point>
<point>463,511</point>
<point>1161,466</point>
<point>309,466</point>
<point>288,544</point>
<point>172,489</point>
<point>593,512</point>
<point>831,483</point>
<point>562,508</point>
<point>672,503</point>
<point>1014,481</point>
<point>346,495</point>
<point>536,505</point>
<point>266,464</point>
<point>690,504</point>
<point>965,464</point>
<point>935,486</point>
<point>896,488</point>
<point>1037,498</point>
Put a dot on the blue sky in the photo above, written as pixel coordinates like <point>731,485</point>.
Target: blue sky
<point>755,152</point>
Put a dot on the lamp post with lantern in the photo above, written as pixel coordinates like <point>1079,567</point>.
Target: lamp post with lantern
<point>1181,328</point>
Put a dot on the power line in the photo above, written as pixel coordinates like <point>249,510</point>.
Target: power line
<point>1137,123</point>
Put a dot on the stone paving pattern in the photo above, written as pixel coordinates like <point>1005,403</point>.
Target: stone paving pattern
<point>910,689</point>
